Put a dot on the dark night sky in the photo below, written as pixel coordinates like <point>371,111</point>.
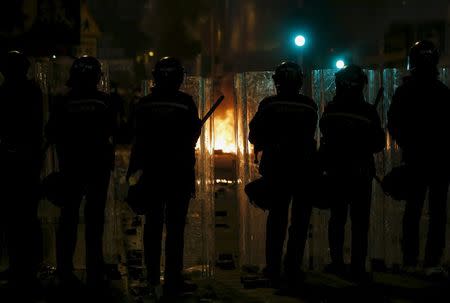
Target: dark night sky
<point>257,25</point>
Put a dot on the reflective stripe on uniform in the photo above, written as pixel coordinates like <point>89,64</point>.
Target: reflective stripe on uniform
<point>87,102</point>
<point>347,115</point>
<point>166,104</point>
<point>293,104</point>
<point>85,105</point>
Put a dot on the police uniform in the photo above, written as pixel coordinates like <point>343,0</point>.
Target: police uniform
<point>167,128</point>
<point>283,129</point>
<point>351,134</point>
<point>81,126</point>
<point>21,137</point>
<point>418,121</point>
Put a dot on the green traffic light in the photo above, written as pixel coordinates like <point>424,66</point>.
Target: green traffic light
<point>300,41</point>
<point>340,64</point>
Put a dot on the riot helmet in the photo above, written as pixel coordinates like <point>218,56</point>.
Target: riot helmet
<point>288,78</point>
<point>423,56</point>
<point>85,72</point>
<point>168,74</point>
<point>350,80</point>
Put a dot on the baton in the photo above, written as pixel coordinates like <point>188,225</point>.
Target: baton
<point>212,110</point>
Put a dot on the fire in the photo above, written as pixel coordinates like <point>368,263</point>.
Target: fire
<point>224,132</point>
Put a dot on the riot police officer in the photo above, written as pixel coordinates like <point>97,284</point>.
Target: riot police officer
<point>283,130</point>
<point>351,134</point>
<point>81,127</point>
<point>21,137</point>
<point>167,128</point>
<point>418,122</point>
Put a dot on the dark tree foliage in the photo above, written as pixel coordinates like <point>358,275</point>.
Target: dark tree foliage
<point>121,20</point>
<point>12,17</point>
<point>177,26</point>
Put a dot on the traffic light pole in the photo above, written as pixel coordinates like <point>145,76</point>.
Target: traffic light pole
<point>304,63</point>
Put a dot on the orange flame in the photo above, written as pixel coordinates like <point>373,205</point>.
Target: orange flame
<point>224,133</point>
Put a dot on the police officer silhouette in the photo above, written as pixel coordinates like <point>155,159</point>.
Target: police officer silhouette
<point>351,134</point>
<point>283,130</point>
<point>167,128</point>
<point>418,122</point>
<point>81,127</point>
<point>21,137</point>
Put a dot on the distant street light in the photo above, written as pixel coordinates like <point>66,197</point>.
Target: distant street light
<point>340,64</point>
<point>300,41</point>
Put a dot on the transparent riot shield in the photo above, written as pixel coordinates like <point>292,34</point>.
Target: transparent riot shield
<point>52,76</point>
<point>250,89</point>
<point>199,232</point>
<point>384,232</point>
<point>389,238</point>
<point>445,78</point>
<point>386,215</point>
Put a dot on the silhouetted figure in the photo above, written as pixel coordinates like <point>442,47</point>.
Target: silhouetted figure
<point>167,128</point>
<point>419,123</point>
<point>283,129</point>
<point>81,126</point>
<point>351,134</point>
<point>21,137</point>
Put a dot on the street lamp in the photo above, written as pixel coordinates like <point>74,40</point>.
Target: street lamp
<point>340,64</point>
<point>300,40</point>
